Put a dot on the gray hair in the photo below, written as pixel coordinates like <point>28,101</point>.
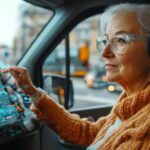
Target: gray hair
<point>142,12</point>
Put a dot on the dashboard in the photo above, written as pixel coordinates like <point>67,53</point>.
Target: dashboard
<point>16,119</point>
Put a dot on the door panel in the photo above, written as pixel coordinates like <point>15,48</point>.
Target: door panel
<point>50,140</point>
<point>28,142</point>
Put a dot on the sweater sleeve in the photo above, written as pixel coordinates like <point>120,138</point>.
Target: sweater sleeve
<point>69,126</point>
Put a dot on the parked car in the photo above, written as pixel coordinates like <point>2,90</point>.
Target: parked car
<point>96,78</point>
<point>114,87</point>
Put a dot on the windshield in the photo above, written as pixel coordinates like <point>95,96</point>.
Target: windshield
<point>21,22</point>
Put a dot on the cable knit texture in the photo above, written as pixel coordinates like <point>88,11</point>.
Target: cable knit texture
<point>133,133</point>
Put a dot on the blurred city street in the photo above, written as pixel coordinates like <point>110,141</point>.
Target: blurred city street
<point>87,97</point>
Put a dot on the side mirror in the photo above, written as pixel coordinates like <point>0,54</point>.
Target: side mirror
<point>55,87</point>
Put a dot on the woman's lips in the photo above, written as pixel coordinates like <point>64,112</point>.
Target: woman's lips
<point>110,66</point>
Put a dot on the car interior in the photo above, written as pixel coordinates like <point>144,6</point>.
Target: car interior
<point>23,131</point>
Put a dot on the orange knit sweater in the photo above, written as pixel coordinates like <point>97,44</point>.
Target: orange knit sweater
<point>133,133</point>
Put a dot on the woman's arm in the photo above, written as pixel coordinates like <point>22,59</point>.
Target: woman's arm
<point>69,126</point>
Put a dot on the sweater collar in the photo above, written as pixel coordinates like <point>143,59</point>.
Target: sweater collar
<point>129,105</point>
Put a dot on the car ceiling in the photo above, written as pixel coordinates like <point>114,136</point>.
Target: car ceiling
<point>47,3</point>
<point>53,4</point>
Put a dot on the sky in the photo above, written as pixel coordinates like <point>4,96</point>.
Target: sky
<point>8,19</point>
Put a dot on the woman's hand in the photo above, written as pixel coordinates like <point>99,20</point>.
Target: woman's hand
<point>22,78</point>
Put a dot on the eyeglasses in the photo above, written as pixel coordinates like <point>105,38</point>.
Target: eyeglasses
<point>118,43</point>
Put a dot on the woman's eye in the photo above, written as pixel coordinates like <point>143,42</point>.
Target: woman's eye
<point>120,40</point>
<point>104,42</point>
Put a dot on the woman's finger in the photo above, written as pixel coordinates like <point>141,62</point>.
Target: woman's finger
<point>20,74</point>
<point>4,70</point>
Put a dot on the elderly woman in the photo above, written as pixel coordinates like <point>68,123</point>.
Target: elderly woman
<point>124,45</point>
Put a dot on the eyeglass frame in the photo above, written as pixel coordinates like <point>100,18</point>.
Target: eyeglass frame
<point>128,38</point>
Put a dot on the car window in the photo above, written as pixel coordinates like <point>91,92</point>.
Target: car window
<point>86,66</point>
<point>21,22</point>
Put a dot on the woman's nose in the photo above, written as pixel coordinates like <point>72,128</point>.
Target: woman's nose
<point>107,52</point>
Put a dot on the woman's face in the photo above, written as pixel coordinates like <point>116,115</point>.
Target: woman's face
<point>135,62</point>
